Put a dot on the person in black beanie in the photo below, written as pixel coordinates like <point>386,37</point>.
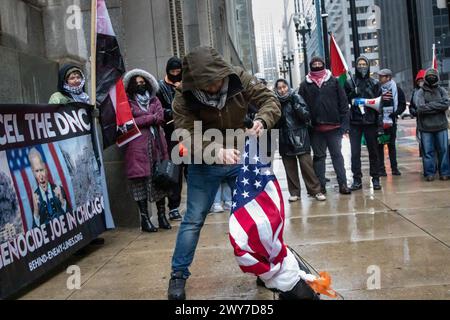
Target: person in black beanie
<point>166,94</point>
<point>328,108</point>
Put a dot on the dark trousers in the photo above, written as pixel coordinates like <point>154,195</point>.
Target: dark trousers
<point>332,140</point>
<point>371,135</point>
<point>392,150</point>
<point>174,196</point>
<point>309,176</point>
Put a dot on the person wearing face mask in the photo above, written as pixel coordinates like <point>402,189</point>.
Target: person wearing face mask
<point>364,121</point>
<point>295,146</point>
<point>166,94</point>
<point>328,108</point>
<point>71,86</point>
<point>142,153</point>
<point>420,80</point>
<point>432,103</point>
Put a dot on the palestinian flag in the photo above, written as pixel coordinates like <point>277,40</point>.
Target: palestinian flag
<point>116,119</point>
<point>435,60</point>
<point>339,67</point>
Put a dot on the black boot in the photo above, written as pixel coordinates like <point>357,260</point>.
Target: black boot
<point>146,224</point>
<point>376,184</point>
<point>301,291</point>
<point>162,220</point>
<point>176,286</point>
<point>343,189</point>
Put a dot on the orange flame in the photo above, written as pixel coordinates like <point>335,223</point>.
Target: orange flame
<point>322,285</point>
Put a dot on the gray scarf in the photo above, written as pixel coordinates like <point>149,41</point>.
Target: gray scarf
<point>213,100</point>
<point>391,86</point>
<point>284,98</point>
<point>143,100</point>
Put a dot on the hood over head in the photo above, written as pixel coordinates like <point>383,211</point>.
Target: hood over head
<point>358,72</point>
<point>150,79</point>
<point>432,73</point>
<point>203,66</point>
<point>64,72</point>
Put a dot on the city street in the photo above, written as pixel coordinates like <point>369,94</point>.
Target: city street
<point>403,232</point>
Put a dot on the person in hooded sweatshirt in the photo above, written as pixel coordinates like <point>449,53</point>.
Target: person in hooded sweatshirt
<point>71,86</point>
<point>432,103</point>
<point>295,146</point>
<point>364,121</point>
<point>142,153</point>
<point>328,107</point>
<point>218,96</point>
<point>166,94</point>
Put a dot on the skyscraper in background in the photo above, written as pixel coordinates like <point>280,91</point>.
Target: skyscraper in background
<point>395,48</point>
<point>268,33</point>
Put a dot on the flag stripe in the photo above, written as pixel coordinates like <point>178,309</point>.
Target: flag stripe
<point>250,228</point>
<point>25,224</point>
<point>262,224</point>
<point>238,234</point>
<point>66,173</point>
<point>60,172</point>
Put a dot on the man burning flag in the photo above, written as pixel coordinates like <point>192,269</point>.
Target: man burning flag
<point>256,233</point>
<point>116,119</point>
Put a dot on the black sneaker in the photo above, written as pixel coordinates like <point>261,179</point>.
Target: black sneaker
<point>174,215</point>
<point>444,178</point>
<point>301,291</point>
<point>177,284</point>
<point>383,173</point>
<point>357,185</point>
<point>376,184</point>
<point>429,178</point>
<point>396,172</point>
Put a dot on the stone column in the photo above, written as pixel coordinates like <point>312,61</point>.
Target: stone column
<point>65,39</point>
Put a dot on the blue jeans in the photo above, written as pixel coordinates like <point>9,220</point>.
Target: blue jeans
<point>203,181</point>
<point>432,142</point>
<point>223,194</point>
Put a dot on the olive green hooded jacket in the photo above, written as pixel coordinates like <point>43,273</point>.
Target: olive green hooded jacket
<point>205,65</point>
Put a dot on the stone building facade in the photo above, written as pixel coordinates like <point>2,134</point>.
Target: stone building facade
<point>37,36</point>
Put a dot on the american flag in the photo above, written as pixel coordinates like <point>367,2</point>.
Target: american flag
<point>257,220</point>
<point>25,183</point>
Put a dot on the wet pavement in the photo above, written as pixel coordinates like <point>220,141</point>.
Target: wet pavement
<point>389,244</point>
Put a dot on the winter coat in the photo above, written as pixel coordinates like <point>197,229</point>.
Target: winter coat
<point>203,66</point>
<point>327,105</point>
<point>368,88</point>
<point>166,94</point>
<point>432,105</point>
<point>294,127</point>
<point>61,96</point>
<point>412,106</point>
<point>139,162</point>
